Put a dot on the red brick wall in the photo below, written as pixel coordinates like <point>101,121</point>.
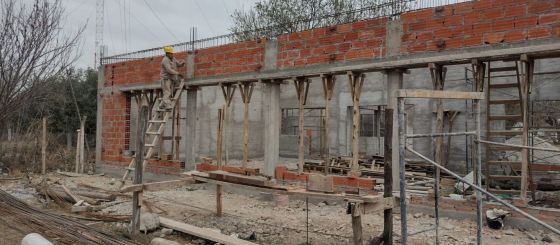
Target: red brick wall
<point>230,59</point>
<point>137,71</point>
<point>463,25</point>
<point>360,40</point>
<point>478,23</point>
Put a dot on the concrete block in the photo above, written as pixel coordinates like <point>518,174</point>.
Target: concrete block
<point>318,182</point>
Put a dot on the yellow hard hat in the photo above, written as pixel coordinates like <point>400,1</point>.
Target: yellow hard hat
<point>168,49</point>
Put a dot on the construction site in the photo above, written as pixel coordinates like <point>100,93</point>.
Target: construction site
<point>433,125</point>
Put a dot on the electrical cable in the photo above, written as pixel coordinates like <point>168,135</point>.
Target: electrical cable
<point>204,17</point>
<point>160,20</point>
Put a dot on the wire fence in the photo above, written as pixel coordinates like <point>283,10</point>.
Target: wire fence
<point>383,8</point>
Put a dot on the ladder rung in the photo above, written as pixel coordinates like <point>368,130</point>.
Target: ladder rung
<point>504,177</point>
<point>505,132</point>
<point>504,162</point>
<point>153,133</point>
<point>500,69</point>
<point>150,145</point>
<point>157,121</point>
<point>504,117</point>
<point>130,169</point>
<point>501,102</point>
<point>504,85</point>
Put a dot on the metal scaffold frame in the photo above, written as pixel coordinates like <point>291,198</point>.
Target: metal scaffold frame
<point>402,95</point>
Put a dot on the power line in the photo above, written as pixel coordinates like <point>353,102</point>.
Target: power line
<point>160,20</point>
<point>204,17</point>
<point>142,24</point>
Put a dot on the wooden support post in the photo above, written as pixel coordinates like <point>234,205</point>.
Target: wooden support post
<point>228,91</point>
<point>328,86</point>
<point>451,115</point>
<point>246,90</point>
<point>356,81</point>
<point>219,137</point>
<point>302,88</point>
<point>82,144</point>
<point>437,73</point>
<point>388,177</point>
<point>78,136</point>
<point>356,209</point>
<point>176,137</point>
<point>527,69</point>
<point>219,200</point>
<point>44,147</point>
<point>479,72</point>
<point>139,159</point>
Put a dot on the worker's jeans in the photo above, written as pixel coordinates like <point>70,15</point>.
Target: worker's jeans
<point>167,86</point>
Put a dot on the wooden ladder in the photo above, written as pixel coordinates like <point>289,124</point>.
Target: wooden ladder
<point>512,89</point>
<point>158,121</point>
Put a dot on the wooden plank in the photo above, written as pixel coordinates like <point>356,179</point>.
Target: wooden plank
<point>432,94</point>
<point>202,232</point>
<point>319,182</point>
<point>239,179</point>
<point>356,82</point>
<point>156,186</point>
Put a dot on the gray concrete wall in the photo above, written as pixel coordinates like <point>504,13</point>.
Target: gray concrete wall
<point>420,112</point>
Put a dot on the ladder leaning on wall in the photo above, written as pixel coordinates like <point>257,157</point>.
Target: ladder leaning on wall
<point>155,129</point>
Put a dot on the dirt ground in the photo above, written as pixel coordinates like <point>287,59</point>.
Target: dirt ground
<point>257,213</point>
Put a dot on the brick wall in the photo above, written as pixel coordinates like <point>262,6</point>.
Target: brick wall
<point>464,25</point>
<point>479,23</point>
<point>230,59</point>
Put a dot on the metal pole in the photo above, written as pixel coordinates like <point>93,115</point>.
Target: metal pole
<point>439,134</point>
<point>514,208</point>
<point>518,146</point>
<point>478,176</point>
<point>400,111</point>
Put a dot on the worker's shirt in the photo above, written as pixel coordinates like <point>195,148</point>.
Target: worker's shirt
<point>169,69</point>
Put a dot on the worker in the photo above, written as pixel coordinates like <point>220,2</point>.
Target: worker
<point>169,77</point>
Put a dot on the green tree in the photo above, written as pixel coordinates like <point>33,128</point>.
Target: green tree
<point>270,18</point>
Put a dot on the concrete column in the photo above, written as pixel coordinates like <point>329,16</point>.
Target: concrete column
<point>272,119</point>
<point>99,122</point>
<point>192,118</point>
<point>271,111</point>
<point>394,83</point>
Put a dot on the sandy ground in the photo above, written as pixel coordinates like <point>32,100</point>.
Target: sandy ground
<point>294,223</point>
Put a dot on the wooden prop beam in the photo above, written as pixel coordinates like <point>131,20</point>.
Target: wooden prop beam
<point>478,73</point>
<point>302,88</point>
<point>356,81</point>
<point>228,90</point>
<point>527,70</point>
<point>328,81</point>
<point>438,73</point>
<point>431,94</point>
<point>246,90</point>
<point>387,235</point>
<point>136,196</point>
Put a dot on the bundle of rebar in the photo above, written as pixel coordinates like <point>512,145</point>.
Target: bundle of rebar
<point>56,227</point>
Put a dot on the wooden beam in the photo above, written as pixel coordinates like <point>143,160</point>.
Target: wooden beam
<point>219,137</point>
<point>431,94</point>
<point>202,232</point>
<point>302,87</point>
<point>246,90</point>
<point>527,69</point>
<point>228,90</point>
<point>356,81</point>
<point>328,81</point>
<point>156,186</point>
<point>139,159</point>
